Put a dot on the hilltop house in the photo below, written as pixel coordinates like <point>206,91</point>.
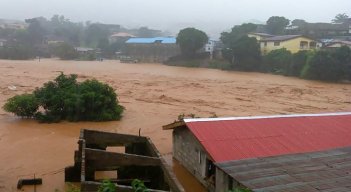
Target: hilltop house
<point>121,36</point>
<point>337,44</point>
<point>215,150</point>
<point>293,43</point>
<point>156,49</point>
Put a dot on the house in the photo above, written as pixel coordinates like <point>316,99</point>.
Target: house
<point>337,44</point>
<point>293,43</point>
<point>320,30</point>
<point>202,144</point>
<point>156,49</point>
<point>322,171</point>
<point>121,36</point>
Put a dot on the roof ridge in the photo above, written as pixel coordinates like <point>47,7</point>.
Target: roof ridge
<point>265,117</point>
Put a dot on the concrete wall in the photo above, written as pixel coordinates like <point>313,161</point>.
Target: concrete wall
<point>224,182</point>
<point>152,52</point>
<point>187,149</point>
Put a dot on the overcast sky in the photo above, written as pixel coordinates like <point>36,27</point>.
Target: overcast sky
<point>210,15</point>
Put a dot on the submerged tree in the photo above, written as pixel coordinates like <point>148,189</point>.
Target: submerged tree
<point>66,99</point>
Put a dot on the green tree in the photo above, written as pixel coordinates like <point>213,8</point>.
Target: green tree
<point>277,61</point>
<point>238,31</point>
<point>190,41</point>
<point>323,66</point>
<point>66,99</point>
<point>24,105</point>
<point>298,61</point>
<point>243,52</point>
<point>65,51</point>
<point>343,57</point>
<point>246,55</point>
<point>340,18</point>
<point>276,25</point>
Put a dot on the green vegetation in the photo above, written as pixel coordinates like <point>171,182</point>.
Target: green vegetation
<point>242,52</point>
<point>276,25</point>
<point>25,105</point>
<point>277,61</point>
<point>190,40</point>
<point>66,99</point>
<point>138,186</point>
<point>340,18</point>
<point>107,186</point>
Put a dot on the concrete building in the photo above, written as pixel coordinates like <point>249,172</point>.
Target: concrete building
<point>157,49</point>
<point>293,43</point>
<point>204,146</point>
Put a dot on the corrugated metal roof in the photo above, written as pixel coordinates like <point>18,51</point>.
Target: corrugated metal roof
<point>323,171</point>
<point>281,38</point>
<point>250,137</point>
<point>164,40</point>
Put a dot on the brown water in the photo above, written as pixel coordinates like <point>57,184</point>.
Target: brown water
<point>154,95</point>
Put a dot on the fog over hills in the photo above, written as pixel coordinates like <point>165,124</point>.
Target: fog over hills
<point>172,15</point>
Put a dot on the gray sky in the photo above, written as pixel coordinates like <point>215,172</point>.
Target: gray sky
<point>213,16</point>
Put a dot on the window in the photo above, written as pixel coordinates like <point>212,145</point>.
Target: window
<point>303,45</point>
<point>265,44</point>
<point>199,156</point>
<point>313,44</point>
<point>276,43</point>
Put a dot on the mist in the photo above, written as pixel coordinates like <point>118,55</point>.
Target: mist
<point>171,15</point>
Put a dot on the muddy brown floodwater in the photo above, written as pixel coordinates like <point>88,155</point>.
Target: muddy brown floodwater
<point>154,95</point>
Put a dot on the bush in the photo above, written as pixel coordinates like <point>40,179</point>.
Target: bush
<point>277,61</point>
<point>323,66</point>
<point>66,99</point>
<point>298,61</point>
<point>22,105</point>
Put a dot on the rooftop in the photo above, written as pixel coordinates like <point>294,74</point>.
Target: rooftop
<point>163,40</point>
<point>322,171</point>
<point>122,34</point>
<point>281,38</point>
<point>237,138</point>
<point>262,34</point>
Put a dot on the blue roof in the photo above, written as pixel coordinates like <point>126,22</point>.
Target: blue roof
<point>164,40</point>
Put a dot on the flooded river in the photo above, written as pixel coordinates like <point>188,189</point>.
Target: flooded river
<point>154,95</point>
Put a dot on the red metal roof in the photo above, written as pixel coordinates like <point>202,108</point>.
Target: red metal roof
<point>242,138</point>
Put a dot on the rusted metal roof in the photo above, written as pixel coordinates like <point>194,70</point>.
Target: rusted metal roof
<point>227,139</point>
<point>324,171</point>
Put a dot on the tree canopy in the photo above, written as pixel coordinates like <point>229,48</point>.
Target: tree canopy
<point>190,41</point>
<point>276,25</point>
<point>66,99</point>
<point>340,18</point>
<point>243,52</point>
